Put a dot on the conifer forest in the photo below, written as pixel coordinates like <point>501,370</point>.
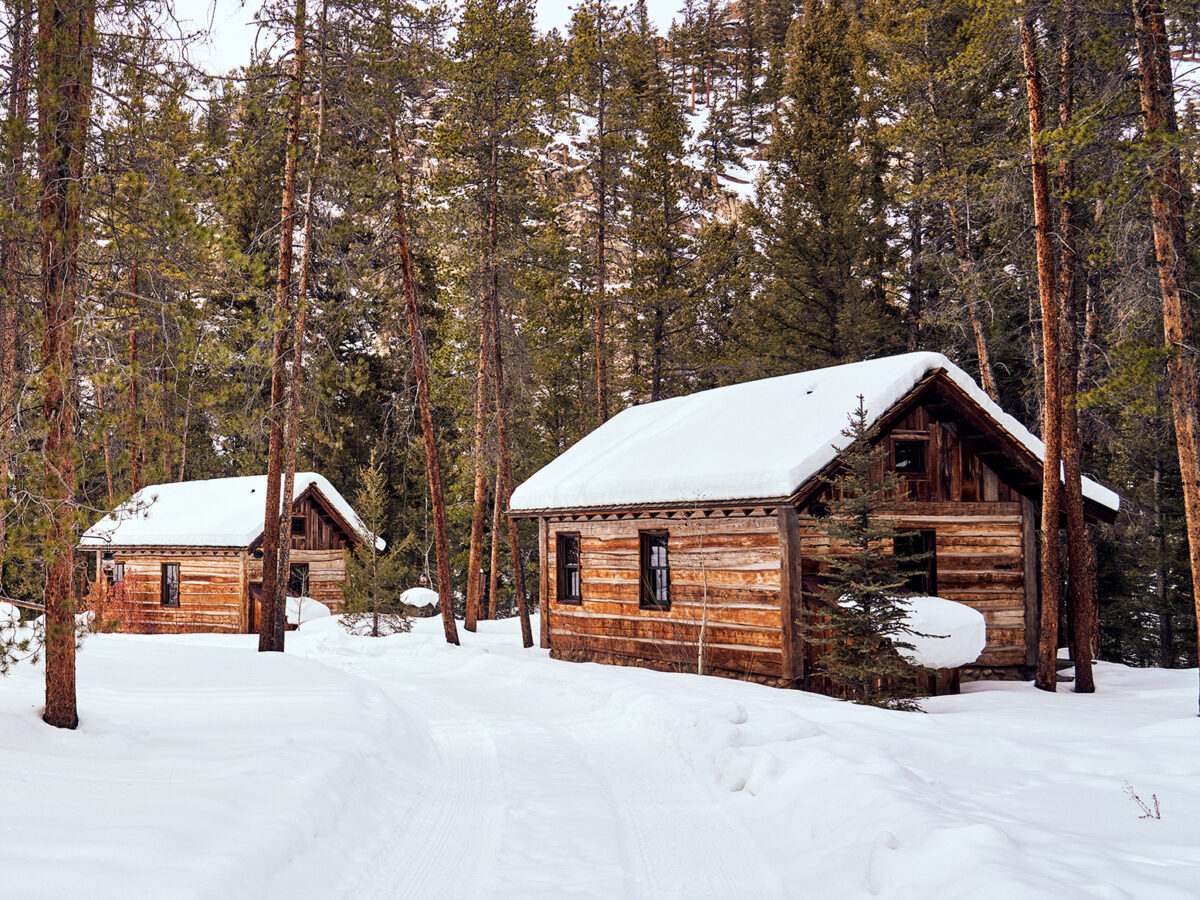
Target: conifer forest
<point>439,240</point>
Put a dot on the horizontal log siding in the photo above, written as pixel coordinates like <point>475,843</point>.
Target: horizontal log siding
<point>725,578</point>
<point>326,574</point>
<point>210,595</point>
<point>980,562</point>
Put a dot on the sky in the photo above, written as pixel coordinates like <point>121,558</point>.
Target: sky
<point>233,29</point>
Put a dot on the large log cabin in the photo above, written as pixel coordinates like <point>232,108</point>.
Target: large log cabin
<point>187,557</point>
<point>690,524</point>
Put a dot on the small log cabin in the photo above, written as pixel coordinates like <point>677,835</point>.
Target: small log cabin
<point>187,557</point>
<point>687,527</point>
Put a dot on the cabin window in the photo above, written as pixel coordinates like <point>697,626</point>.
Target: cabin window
<point>298,580</point>
<point>170,584</point>
<point>298,526</point>
<point>569,581</point>
<point>117,573</point>
<point>910,456</point>
<point>917,561</point>
<point>656,572</point>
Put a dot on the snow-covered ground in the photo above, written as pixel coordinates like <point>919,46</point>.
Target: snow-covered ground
<point>401,767</point>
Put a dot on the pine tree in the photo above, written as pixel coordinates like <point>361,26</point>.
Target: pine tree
<point>819,212</point>
<point>371,594</point>
<point>863,615</point>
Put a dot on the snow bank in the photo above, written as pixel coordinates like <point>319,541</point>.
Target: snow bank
<point>695,448</point>
<point>305,609</point>
<point>201,768</point>
<point>955,634</point>
<point>402,766</point>
<point>419,596</point>
<point>219,512</point>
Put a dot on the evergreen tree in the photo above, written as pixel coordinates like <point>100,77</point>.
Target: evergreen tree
<point>819,212</point>
<point>863,615</point>
<point>371,594</point>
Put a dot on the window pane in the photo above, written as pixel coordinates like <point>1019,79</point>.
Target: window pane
<point>910,457</point>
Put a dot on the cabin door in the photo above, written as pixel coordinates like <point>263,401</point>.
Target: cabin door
<point>255,606</point>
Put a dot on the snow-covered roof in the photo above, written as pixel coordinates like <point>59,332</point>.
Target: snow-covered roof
<point>220,512</point>
<point>752,441</point>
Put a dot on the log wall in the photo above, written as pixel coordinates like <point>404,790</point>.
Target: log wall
<point>211,593</point>
<point>725,580</point>
<point>326,573</point>
<point>980,557</point>
<point>320,530</point>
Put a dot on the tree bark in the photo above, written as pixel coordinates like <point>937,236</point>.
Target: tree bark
<point>136,457</point>
<point>66,40</point>
<point>106,442</point>
<point>1158,112</point>
<point>602,410</point>
<point>295,397</point>
<point>1082,569</point>
<point>479,500</point>
<point>433,467</point>
<point>514,540</point>
<point>10,301</point>
<point>1051,418</point>
<point>969,276</point>
<point>916,290</point>
<point>272,626</point>
<point>494,568</point>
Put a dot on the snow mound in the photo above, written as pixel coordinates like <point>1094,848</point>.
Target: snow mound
<point>305,609</point>
<point>419,596</point>
<point>956,633</point>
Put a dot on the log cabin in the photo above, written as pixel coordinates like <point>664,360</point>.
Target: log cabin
<point>187,557</point>
<point>685,530</point>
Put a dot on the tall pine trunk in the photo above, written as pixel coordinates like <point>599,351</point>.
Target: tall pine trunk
<point>479,499</point>
<point>494,567</point>
<point>432,466</point>
<point>273,623</point>
<point>1052,408</point>
<point>1082,565</point>
<point>11,298</point>
<point>601,322</point>
<point>136,451</point>
<point>66,38</point>
<point>1159,126</point>
<point>514,539</point>
<point>295,398</point>
<point>968,274</point>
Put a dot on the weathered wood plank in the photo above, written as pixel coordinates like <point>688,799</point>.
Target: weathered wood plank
<point>791,596</point>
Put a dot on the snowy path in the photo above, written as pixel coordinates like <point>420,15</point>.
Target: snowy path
<point>401,767</point>
<point>543,792</point>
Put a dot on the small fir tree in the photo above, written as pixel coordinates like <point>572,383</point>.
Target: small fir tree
<point>371,604</point>
<point>863,616</point>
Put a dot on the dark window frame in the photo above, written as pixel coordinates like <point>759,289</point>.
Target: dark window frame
<point>293,568</point>
<point>564,569</point>
<point>907,441</point>
<point>168,586</point>
<point>118,572</point>
<point>655,580</point>
<point>921,573</point>
<point>303,532</point>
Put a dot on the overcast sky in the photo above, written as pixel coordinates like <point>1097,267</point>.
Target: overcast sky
<point>233,29</point>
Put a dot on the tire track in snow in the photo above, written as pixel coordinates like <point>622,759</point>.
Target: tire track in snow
<point>446,841</point>
<point>677,841</point>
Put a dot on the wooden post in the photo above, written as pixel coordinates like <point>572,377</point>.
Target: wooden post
<point>544,581</point>
<point>791,597</point>
<point>1029,557</point>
